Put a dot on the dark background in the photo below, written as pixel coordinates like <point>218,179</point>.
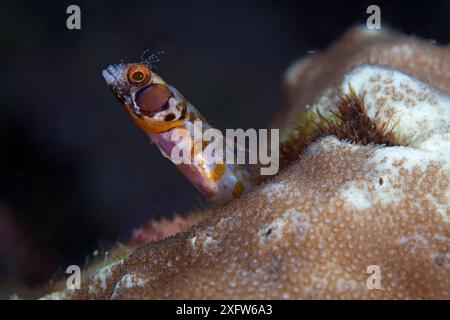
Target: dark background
<point>75,173</point>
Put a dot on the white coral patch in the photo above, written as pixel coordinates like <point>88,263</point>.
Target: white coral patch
<point>292,221</point>
<point>102,276</point>
<point>388,166</point>
<point>210,244</point>
<point>414,110</point>
<point>128,281</point>
<point>357,197</point>
<point>436,141</point>
<point>394,159</point>
<point>330,143</point>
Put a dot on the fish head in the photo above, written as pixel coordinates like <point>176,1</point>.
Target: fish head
<point>154,105</point>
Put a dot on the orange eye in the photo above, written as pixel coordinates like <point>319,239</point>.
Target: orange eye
<point>138,75</point>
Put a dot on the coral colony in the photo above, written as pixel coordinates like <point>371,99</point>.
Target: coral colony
<point>364,189</point>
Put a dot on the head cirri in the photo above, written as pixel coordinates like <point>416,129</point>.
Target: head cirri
<point>154,105</point>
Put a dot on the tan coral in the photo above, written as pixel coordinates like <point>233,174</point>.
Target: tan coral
<point>313,231</point>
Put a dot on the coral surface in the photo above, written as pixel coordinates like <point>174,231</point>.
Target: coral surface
<point>349,200</point>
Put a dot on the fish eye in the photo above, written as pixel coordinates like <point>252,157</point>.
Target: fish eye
<point>138,75</point>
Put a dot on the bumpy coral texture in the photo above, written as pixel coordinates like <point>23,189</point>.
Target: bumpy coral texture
<point>315,76</point>
<point>313,231</point>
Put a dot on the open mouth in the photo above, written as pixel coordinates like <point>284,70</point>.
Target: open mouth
<point>112,77</point>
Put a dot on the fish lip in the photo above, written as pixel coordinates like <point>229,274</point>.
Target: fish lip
<point>110,77</point>
<point>110,74</point>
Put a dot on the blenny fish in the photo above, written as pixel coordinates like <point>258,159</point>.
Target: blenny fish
<point>158,109</point>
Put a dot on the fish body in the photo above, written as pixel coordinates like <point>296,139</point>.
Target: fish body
<point>161,111</point>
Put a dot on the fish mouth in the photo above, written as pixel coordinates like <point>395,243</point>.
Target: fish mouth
<point>109,77</point>
<point>113,77</point>
<point>112,74</point>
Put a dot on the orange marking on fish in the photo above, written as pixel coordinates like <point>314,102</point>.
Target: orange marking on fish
<point>152,126</point>
<point>218,172</point>
<point>238,189</point>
